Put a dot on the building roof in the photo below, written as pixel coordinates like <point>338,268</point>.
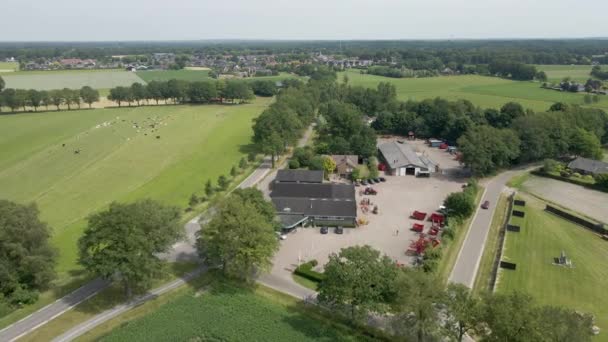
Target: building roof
<point>314,207</point>
<point>313,190</point>
<point>299,176</point>
<point>400,155</point>
<point>589,165</point>
<point>350,159</point>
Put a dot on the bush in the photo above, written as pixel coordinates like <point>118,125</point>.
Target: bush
<point>550,165</point>
<point>294,164</point>
<point>448,234</point>
<point>576,175</point>
<point>305,271</point>
<point>461,204</point>
<point>251,157</point>
<point>21,296</point>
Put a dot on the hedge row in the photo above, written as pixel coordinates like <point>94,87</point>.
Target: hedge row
<point>305,271</point>
<point>569,180</point>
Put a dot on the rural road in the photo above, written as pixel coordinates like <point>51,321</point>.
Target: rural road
<point>183,250</point>
<point>469,257</point>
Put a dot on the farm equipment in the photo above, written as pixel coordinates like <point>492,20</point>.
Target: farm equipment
<point>418,227</point>
<point>370,191</point>
<point>437,219</point>
<point>362,221</point>
<point>418,215</point>
<point>434,231</point>
<point>375,210</point>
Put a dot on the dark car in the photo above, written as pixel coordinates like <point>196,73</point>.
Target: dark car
<point>382,179</point>
<point>324,230</point>
<point>357,183</point>
<point>485,205</point>
<point>364,182</point>
<point>339,230</point>
<point>377,180</point>
<point>371,181</point>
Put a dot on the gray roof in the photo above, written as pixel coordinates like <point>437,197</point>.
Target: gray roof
<point>350,159</point>
<point>589,165</point>
<point>299,176</point>
<point>315,207</point>
<point>400,155</point>
<point>313,190</point>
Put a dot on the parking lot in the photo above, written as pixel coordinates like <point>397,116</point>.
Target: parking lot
<point>389,230</point>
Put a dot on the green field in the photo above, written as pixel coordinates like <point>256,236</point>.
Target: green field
<point>543,237</point>
<point>47,80</point>
<point>228,313</point>
<point>117,161</point>
<point>556,73</point>
<point>8,67</point>
<point>166,75</point>
<point>486,92</point>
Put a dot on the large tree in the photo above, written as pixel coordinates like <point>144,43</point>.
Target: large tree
<point>360,278</point>
<point>486,149</point>
<point>26,258</point>
<point>240,238</point>
<point>509,317</point>
<point>122,243</point>
<point>418,295</point>
<point>463,311</point>
<point>2,83</point>
<point>89,95</point>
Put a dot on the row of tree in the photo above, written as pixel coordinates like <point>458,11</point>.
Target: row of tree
<point>359,282</point>
<point>180,91</point>
<point>32,98</point>
<point>597,72</point>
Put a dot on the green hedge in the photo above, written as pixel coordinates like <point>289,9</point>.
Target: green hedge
<point>569,180</point>
<point>305,271</point>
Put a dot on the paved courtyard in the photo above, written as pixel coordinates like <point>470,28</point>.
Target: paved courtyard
<point>389,230</point>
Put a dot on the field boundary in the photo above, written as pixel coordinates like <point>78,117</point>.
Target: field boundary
<point>597,228</point>
<point>502,234</point>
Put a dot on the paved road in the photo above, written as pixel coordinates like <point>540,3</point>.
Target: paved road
<point>469,257</point>
<point>182,250</point>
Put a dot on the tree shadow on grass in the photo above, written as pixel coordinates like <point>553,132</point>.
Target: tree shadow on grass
<point>248,148</point>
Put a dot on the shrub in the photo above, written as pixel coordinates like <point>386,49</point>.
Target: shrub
<point>460,204</point>
<point>251,157</point>
<point>305,271</point>
<point>576,175</point>
<point>448,234</point>
<point>294,164</point>
<point>602,181</point>
<point>550,165</point>
<point>21,296</point>
<point>313,262</point>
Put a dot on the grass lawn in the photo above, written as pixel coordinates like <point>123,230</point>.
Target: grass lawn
<point>556,73</point>
<point>165,75</point>
<point>117,162</point>
<point>487,92</point>
<point>9,67</point>
<point>230,313</point>
<point>543,236</point>
<point>73,79</point>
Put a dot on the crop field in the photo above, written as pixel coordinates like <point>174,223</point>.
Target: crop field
<point>486,92</point>
<point>229,313</point>
<point>47,80</point>
<point>556,73</point>
<point>120,158</point>
<point>8,67</point>
<point>542,238</point>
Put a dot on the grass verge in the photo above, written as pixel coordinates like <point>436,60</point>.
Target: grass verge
<point>305,282</point>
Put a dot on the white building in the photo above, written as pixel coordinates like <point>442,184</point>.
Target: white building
<point>401,160</point>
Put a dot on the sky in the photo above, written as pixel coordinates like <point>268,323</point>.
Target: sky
<point>87,20</point>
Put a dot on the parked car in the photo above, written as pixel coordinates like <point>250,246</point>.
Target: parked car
<point>364,182</point>
<point>281,236</point>
<point>324,230</point>
<point>377,180</point>
<point>485,205</point>
<point>339,230</point>
<point>357,183</point>
<point>382,179</point>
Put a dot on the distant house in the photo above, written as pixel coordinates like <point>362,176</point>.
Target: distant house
<point>588,166</point>
<point>402,160</point>
<point>345,164</point>
<point>300,200</point>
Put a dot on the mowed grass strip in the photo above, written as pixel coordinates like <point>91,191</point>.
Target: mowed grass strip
<point>47,80</point>
<point>483,91</point>
<point>229,313</point>
<point>8,67</point>
<point>542,238</point>
<point>118,161</point>
<point>556,73</point>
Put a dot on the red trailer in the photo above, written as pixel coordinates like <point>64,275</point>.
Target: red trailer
<point>418,227</point>
<point>443,146</point>
<point>381,167</point>
<point>437,219</point>
<point>434,231</point>
<point>418,215</point>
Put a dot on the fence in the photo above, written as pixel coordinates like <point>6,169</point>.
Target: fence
<point>501,243</point>
<point>596,227</point>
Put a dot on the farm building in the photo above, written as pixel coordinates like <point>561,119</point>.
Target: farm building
<point>345,164</point>
<point>588,166</point>
<point>402,160</point>
<point>298,204</point>
<point>435,142</point>
<point>299,176</point>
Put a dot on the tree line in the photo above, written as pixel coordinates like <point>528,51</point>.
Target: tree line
<point>16,99</point>
<point>359,282</point>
